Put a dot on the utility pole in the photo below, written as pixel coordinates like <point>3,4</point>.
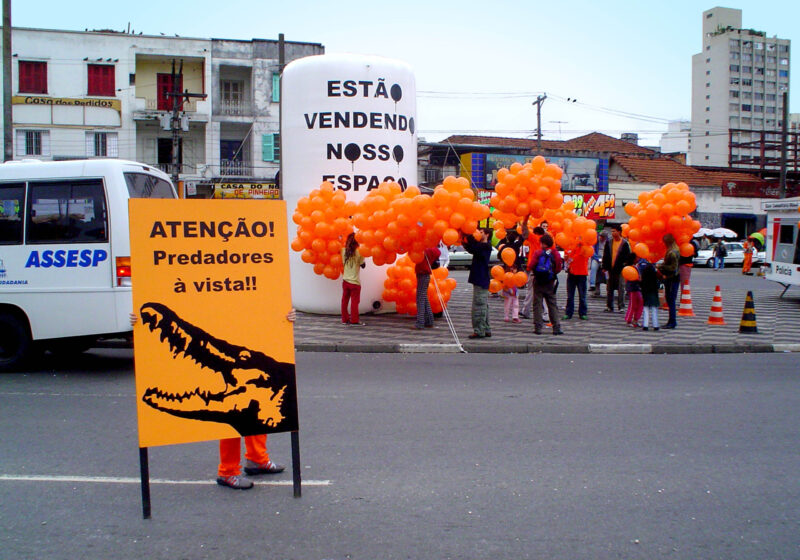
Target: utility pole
<point>281,65</point>
<point>178,99</point>
<point>8,115</point>
<point>784,144</point>
<point>539,100</point>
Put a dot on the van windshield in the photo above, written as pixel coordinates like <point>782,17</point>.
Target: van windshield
<point>142,185</point>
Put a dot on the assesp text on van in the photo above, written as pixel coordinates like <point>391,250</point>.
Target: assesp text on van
<point>63,258</point>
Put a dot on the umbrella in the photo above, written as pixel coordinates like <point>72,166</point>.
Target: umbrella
<point>758,237</point>
<point>724,232</point>
<point>702,232</point>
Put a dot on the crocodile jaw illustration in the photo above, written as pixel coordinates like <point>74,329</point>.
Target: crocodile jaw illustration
<point>233,384</point>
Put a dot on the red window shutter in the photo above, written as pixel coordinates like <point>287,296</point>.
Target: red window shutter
<point>164,86</point>
<point>101,80</point>
<point>32,76</point>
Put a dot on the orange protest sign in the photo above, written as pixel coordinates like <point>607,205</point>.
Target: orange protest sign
<point>213,348</point>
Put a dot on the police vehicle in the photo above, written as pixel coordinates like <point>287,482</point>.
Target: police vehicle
<point>783,242</point>
<point>65,271</point>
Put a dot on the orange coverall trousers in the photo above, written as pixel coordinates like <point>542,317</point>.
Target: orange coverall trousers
<point>230,453</point>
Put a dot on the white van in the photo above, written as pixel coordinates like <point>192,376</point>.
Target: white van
<point>783,242</point>
<point>65,275</point>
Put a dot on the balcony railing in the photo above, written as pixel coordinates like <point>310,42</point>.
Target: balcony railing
<point>234,107</point>
<point>234,168</point>
<point>183,168</point>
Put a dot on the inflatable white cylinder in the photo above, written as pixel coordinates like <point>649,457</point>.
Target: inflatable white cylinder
<point>351,120</point>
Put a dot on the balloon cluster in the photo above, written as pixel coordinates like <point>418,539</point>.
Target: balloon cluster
<point>525,190</point>
<point>660,211</point>
<point>570,231</point>
<point>400,287</point>
<point>391,222</point>
<point>506,279</point>
<point>323,223</point>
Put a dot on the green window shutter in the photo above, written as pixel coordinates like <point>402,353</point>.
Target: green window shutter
<point>267,147</point>
<point>276,147</point>
<point>276,87</point>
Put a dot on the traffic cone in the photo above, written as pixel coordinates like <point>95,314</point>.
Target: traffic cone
<point>748,323</point>
<point>685,310</point>
<point>715,317</point>
<point>662,297</point>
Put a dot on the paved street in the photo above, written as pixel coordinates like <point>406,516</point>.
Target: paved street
<point>777,321</point>
<point>416,456</point>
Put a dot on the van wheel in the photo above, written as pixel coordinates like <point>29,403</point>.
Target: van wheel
<point>710,263</point>
<point>15,341</point>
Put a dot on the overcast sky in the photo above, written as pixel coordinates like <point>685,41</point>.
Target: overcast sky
<point>478,65</point>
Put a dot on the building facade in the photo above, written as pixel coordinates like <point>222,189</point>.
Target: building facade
<point>106,94</point>
<point>737,83</point>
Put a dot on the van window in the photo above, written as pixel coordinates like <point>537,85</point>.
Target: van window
<point>72,211</point>
<point>141,185</point>
<point>12,199</point>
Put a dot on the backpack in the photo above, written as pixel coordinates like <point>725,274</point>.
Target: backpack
<point>544,271</point>
<point>722,251</point>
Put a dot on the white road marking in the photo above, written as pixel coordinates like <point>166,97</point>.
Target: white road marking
<point>132,480</point>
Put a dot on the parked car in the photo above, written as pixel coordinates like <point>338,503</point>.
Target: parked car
<point>705,257</point>
<point>459,257</point>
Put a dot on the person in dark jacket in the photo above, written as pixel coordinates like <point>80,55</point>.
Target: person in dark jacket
<point>479,278</point>
<point>616,256</point>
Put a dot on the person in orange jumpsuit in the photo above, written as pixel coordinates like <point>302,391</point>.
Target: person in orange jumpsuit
<point>748,256</point>
<point>257,461</point>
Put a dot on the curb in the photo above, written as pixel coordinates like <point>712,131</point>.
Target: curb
<point>518,348</point>
<point>509,348</point>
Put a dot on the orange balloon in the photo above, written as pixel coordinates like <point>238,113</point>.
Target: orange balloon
<point>630,273</point>
<point>508,255</point>
<point>495,286</point>
<point>450,237</point>
<point>497,272</point>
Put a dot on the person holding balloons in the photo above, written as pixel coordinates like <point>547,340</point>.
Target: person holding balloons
<point>423,270</point>
<point>533,246</point>
<point>616,256</point>
<point>351,283</point>
<point>634,288</point>
<point>649,288</point>
<point>546,266</point>
<point>480,248</point>
<point>577,273</point>
<point>669,274</point>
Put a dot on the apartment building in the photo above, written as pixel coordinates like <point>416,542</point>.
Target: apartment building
<point>737,84</point>
<point>105,94</point>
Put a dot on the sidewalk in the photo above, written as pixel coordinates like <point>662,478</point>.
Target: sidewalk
<point>778,323</point>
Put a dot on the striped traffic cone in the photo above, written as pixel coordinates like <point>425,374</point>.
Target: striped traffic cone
<point>715,317</point>
<point>685,309</point>
<point>748,323</point>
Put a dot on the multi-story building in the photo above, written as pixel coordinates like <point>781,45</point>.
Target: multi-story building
<point>737,84</point>
<point>106,94</point>
<point>676,139</point>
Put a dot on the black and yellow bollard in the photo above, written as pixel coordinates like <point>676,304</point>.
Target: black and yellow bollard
<point>748,323</point>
